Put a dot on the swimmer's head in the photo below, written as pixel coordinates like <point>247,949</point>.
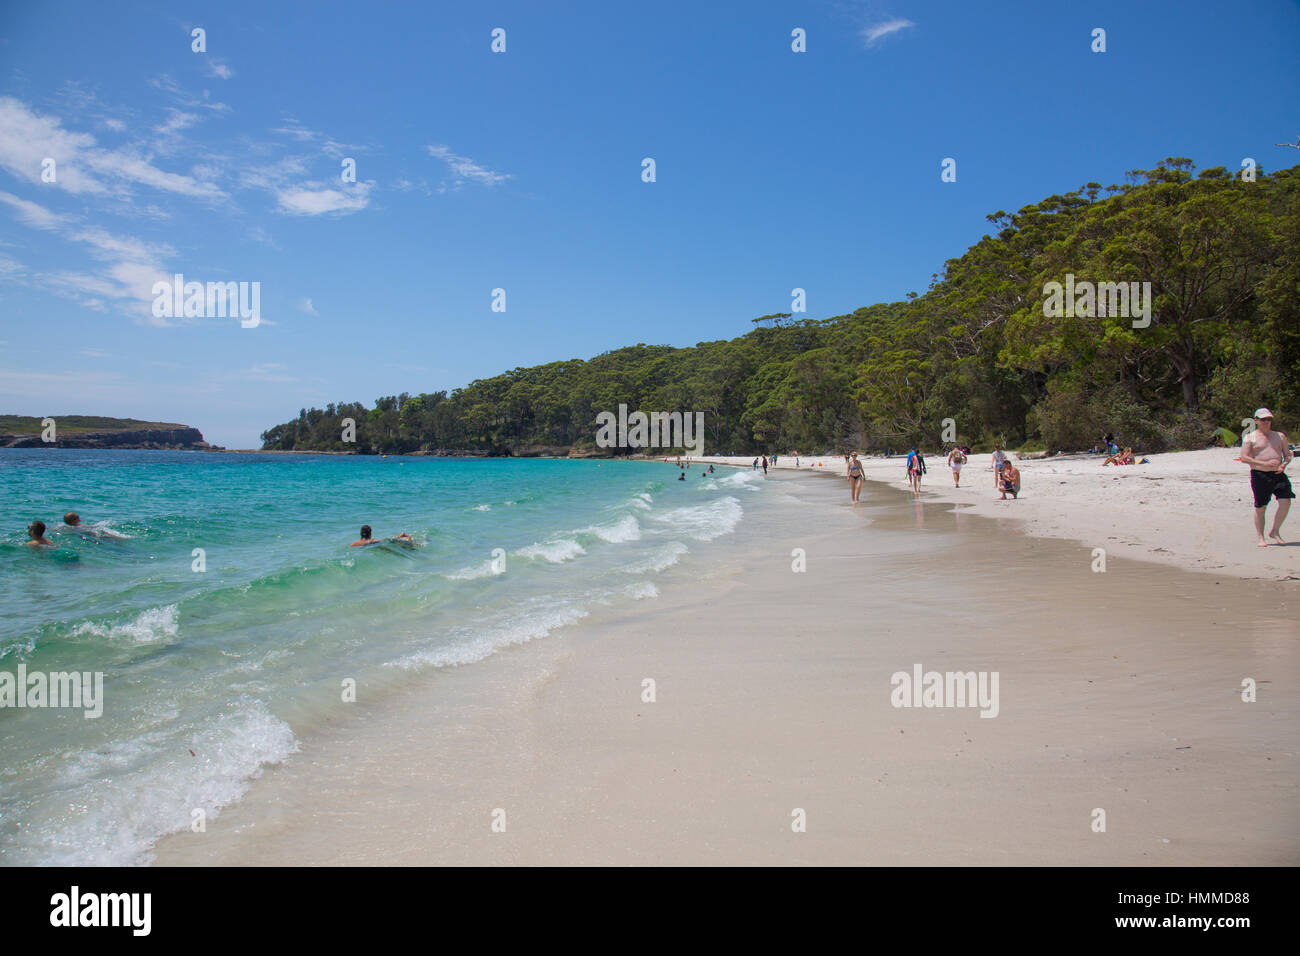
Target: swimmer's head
<point>72,519</point>
<point>36,530</point>
<point>365,532</point>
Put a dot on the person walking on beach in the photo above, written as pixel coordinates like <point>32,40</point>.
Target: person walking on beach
<point>1267,453</point>
<point>855,478</point>
<point>999,460</point>
<point>915,469</point>
<point>956,458</point>
<point>764,466</point>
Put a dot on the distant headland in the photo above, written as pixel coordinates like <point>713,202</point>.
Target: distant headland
<point>93,431</point>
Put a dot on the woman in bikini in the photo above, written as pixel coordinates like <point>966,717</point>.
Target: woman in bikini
<point>855,477</point>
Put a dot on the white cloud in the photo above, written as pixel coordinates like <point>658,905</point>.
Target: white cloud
<point>27,139</point>
<point>176,120</point>
<point>317,199</point>
<point>877,32</point>
<point>465,170</point>
<point>166,84</point>
<point>219,69</point>
<point>295,129</point>
<point>34,214</point>
<point>307,307</point>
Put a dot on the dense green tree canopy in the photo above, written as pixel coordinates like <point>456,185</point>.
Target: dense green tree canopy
<point>1222,257</point>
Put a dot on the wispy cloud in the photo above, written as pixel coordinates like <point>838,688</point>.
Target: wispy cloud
<point>27,139</point>
<point>319,199</point>
<point>465,170</point>
<point>264,372</point>
<point>127,269</point>
<point>34,214</point>
<point>219,69</point>
<point>876,32</point>
<point>307,307</point>
<point>165,84</point>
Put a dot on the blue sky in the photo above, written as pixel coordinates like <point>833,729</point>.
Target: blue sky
<point>522,170</point>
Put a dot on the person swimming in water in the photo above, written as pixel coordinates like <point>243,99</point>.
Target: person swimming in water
<point>366,538</point>
<point>72,525</point>
<point>36,534</point>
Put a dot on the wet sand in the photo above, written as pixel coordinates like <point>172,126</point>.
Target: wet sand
<point>1119,691</point>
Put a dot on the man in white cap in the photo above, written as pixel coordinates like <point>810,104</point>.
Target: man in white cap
<point>1267,454</point>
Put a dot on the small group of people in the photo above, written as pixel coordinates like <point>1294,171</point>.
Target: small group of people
<point>682,474</point>
<point>71,526</point>
<point>1006,476</point>
<point>763,463</point>
<point>915,469</point>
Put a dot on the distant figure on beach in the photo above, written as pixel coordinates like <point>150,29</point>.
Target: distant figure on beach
<point>365,538</point>
<point>956,458</point>
<point>765,465</point>
<point>1010,480</point>
<point>999,460</point>
<point>855,478</point>
<point>915,469</point>
<point>755,465</point>
<point>1267,453</point>
<point>1124,457</point>
<point>36,534</point>
<point>681,476</point>
<point>710,469</point>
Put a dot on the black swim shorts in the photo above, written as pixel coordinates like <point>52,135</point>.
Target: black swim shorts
<point>1267,484</point>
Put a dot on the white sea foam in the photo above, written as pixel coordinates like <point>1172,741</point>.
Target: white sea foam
<point>658,559</point>
<point>469,645</point>
<point>482,508</point>
<point>642,590</point>
<point>556,551</point>
<point>156,786</point>
<point>703,522</point>
<point>488,569</point>
<point>149,627</point>
<point>626,528</point>
<point>748,480</point>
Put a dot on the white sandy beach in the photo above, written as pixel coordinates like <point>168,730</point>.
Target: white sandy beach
<point>1192,509</point>
<point>1119,692</point>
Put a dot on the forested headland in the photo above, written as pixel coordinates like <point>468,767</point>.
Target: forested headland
<point>1222,256</point>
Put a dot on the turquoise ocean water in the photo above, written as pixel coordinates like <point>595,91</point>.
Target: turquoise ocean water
<point>211,675</point>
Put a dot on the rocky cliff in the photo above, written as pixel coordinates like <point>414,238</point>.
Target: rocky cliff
<point>180,437</point>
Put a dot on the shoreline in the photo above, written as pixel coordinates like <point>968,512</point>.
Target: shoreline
<point>1190,509</point>
<point>773,695</point>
